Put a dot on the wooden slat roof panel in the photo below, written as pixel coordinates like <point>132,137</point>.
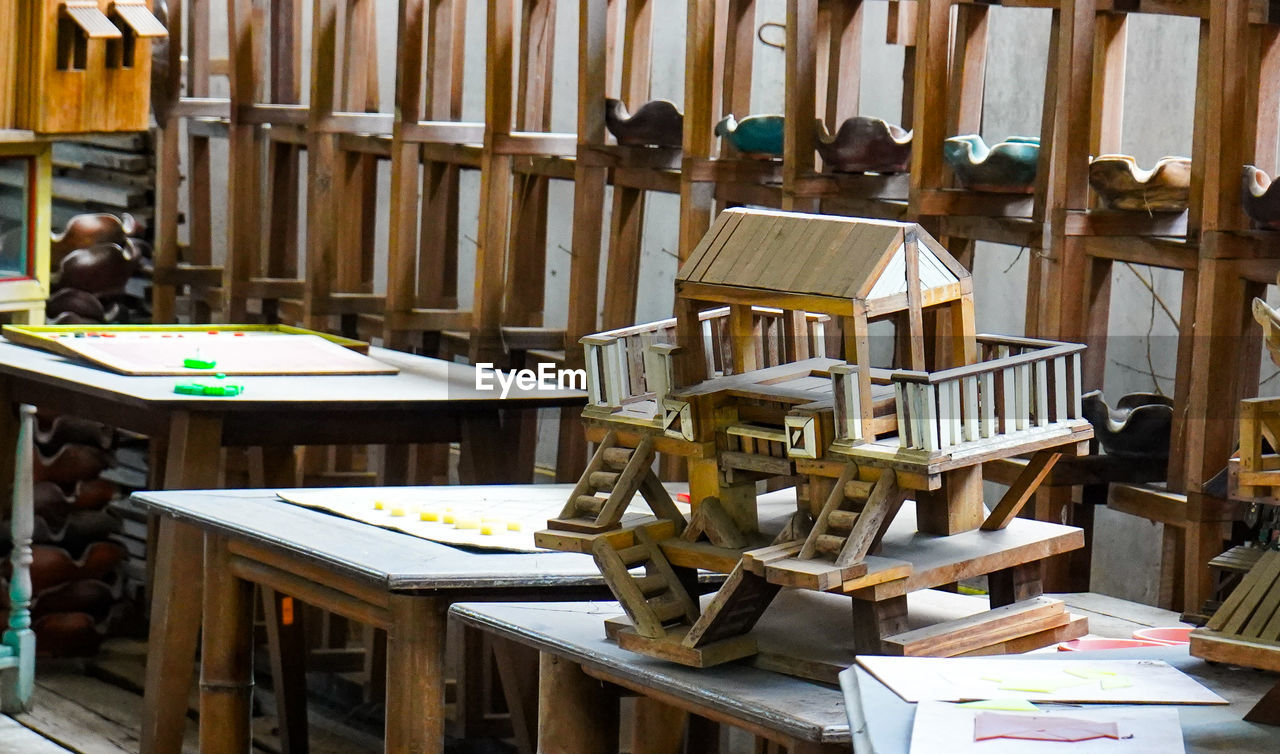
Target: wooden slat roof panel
<point>813,255</point>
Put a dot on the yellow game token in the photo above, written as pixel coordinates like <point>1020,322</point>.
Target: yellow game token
<point>468,523</point>
<point>486,529</point>
<point>377,505</point>
<point>448,518</point>
<point>513,526</point>
<point>429,516</point>
<point>397,511</point>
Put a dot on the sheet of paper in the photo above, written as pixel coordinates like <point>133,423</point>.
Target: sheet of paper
<point>497,517</point>
<point>942,726</point>
<point>1101,681</point>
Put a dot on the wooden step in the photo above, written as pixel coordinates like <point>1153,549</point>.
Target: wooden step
<point>841,521</point>
<point>829,545</point>
<point>617,458</point>
<point>588,505</point>
<point>603,480</point>
<point>975,632</point>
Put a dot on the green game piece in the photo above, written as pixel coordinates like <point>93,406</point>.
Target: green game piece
<point>198,363</point>
<point>188,388</point>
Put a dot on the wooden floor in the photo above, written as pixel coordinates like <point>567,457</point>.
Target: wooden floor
<point>95,707</point>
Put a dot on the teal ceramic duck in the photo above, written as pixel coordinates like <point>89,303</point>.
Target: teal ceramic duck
<point>1008,167</point>
<point>658,123</point>
<point>754,136</point>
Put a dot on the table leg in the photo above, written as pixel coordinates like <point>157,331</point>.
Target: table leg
<point>496,448</point>
<point>415,675</point>
<point>575,711</point>
<point>171,645</point>
<point>195,443</point>
<point>226,667</point>
<point>659,728</point>
<point>518,671</point>
<point>286,645</point>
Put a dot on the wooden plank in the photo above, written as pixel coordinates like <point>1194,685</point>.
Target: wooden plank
<point>1021,490</point>
<point>974,632</point>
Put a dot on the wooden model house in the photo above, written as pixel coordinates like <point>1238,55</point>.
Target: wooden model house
<point>743,386</point>
<point>25,184</point>
<point>82,65</point>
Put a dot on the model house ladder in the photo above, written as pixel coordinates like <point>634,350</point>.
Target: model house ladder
<point>612,478</point>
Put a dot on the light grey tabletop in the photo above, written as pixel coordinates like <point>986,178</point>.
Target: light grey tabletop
<point>421,381</point>
<point>800,709</point>
<point>388,559</point>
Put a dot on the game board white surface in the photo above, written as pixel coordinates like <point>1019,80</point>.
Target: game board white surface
<point>1103,681</point>
<point>945,727</point>
<point>250,353</point>
<point>496,517</point>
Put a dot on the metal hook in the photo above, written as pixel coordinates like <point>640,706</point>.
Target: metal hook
<point>760,34</point>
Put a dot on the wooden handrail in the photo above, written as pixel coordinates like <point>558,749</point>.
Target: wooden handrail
<point>983,367</point>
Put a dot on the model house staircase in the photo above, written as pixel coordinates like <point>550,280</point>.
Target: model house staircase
<point>612,478</point>
<point>852,520</point>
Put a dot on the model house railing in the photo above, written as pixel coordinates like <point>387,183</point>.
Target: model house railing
<point>633,364</point>
<point>1021,385</point>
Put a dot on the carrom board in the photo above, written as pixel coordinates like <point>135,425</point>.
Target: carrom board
<point>161,350</point>
<point>492,517</point>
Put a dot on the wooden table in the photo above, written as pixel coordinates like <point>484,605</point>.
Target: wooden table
<point>372,575</point>
<point>1205,728</point>
<point>800,715</point>
<point>577,715</point>
<point>428,401</point>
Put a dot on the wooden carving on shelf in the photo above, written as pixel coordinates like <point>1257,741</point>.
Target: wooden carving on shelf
<point>740,385</point>
<point>1008,167</point>
<point>1260,198</point>
<point>1137,427</point>
<point>1121,184</point>
<point>754,135</point>
<point>657,123</point>
<point>865,145</point>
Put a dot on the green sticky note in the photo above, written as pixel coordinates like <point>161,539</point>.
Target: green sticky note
<point>1118,682</point>
<point>1089,674</point>
<point>1009,704</point>
<point>198,363</point>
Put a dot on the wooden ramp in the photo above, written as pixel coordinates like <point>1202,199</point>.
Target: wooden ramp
<point>1246,631</point>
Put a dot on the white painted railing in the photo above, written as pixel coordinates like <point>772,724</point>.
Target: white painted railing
<point>1021,385</point>
<point>633,364</point>
<point>1028,385</point>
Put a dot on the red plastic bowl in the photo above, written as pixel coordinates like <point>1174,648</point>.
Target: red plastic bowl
<point>1088,644</point>
<point>1165,635</point>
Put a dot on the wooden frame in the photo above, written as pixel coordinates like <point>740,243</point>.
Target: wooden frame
<point>187,271</point>
<point>23,297</point>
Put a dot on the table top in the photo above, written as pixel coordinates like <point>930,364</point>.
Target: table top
<point>800,709</point>
<point>421,382</point>
<point>387,559</point>
<point>1204,727</point>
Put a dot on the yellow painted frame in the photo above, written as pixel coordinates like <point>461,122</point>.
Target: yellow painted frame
<point>27,296</point>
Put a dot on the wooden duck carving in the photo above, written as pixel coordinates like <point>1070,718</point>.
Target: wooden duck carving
<point>1121,184</point>
<point>83,231</point>
<point>1260,198</point>
<point>100,269</point>
<point>754,136</point>
<point>658,123</point>
<point>1138,427</point>
<point>865,145</point>
<point>1008,167</point>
